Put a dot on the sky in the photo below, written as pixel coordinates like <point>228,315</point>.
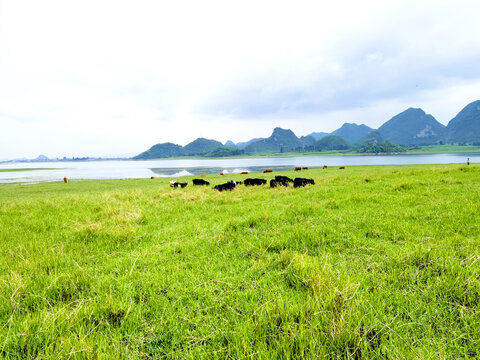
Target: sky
<point>113,77</point>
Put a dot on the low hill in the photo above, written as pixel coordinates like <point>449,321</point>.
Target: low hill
<point>413,127</point>
<point>318,135</point>
<point>159,151</point>
<point>281,140</point>
<point>371,138</point>
<point>465,127</point>
<point>243,145</point>
<point>352,132</point>
<point>331,142</point>
<point>201,146</point>
<point>307,140</point>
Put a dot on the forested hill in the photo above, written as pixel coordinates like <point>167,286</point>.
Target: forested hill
<point>281,140</point>
<point>413,127</point>
<point>465,127</point>
<point>199,146</point>
<point>352,132</point>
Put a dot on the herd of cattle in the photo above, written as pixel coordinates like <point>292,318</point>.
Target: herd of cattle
<point>230,185</point>
<point>279,180</point>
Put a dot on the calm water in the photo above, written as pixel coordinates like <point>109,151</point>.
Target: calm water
<point>125,169</point>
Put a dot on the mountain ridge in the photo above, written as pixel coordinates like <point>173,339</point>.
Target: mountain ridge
<point>465,126</point>
<point>411,127</point>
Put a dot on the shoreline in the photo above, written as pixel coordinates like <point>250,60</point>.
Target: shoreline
<point>426,150</point>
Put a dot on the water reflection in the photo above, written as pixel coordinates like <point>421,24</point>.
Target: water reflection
<point>176,172</point>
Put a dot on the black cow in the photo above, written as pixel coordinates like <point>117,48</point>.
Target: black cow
<point>298,182</point>
<point>200,182</point>
<point>283,178</point>
<point>230,185</point>
<point>249,182</point>
<point>174,183</point>
<point>275,183</point>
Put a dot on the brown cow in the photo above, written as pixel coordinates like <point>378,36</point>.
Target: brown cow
<point>203,175</point>
<point>222,174</point>
<point>305,168</point>
<point>342,167</point>
<point>65,179</point>
<point>325,166</point>
<point>244,172</point>
<point>268,171</point>
<point>153,177</point>
<point>298,168</point>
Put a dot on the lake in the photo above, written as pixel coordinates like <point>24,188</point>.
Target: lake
<point>125,169</point>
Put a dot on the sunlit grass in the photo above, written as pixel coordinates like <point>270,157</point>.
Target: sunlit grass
<point>371,262</point>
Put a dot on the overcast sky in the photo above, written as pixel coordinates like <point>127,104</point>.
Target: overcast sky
<point>96,78</point>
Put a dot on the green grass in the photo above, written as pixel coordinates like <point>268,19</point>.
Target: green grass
<point>439,149</point>
<point>371,262</point>
<point>25,169</point>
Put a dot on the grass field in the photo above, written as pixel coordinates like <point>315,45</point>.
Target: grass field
<point>371,262</point>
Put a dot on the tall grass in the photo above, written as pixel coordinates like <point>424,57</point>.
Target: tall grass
<point>371,262</point>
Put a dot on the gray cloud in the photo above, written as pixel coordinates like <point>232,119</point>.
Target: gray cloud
<point>368,74</point>
<point>409,49</point>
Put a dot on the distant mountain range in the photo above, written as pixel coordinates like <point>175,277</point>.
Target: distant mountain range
<point>410,127</point>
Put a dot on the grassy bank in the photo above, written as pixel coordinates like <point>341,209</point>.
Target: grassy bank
<point>371,262</point>
<point>443,149</point>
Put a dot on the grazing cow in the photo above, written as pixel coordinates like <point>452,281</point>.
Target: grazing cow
<point>175,184</point>
<point>244,172</point>
<point>65,179</point>
<point>222,174</point>
<point>305,168</point>
<point>325,166</point>
<point>300,182</point>
<point>275,183</point>
<point>153,177</point>
<point>200,182</point>
<point>298,168</point>
<point>203,175</point>
<point>268,171</point>
<point>230,185</point>
<point>283,178</point>
<point>249,182</point>
<point>342,167</point>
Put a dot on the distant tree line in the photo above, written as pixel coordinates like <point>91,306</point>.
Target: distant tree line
<point>386,147</point>
<point>225,151</point>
